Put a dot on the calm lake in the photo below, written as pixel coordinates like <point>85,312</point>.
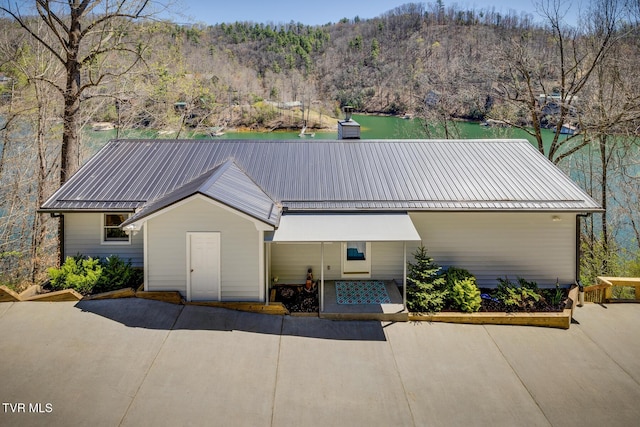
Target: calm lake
<point>372,127</point>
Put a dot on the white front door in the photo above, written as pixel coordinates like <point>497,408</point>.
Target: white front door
<point>203,266</point>
<point>356,260</point>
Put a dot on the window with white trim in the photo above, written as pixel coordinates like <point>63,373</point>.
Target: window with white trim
<point>356,259</point>
<point>111,231</point>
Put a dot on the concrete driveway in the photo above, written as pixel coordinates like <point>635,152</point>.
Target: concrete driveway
<point>135,362</point>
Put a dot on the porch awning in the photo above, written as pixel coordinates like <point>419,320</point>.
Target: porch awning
<point>346,227</point>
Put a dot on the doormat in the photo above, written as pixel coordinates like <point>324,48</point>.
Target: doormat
<point>371,292</point>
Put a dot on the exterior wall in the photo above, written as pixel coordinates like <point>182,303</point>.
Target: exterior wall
<point>489,245</point>
<point>83,234</point>
<point>166,257</point>
<point>290,261</point>
<point>492,245</point>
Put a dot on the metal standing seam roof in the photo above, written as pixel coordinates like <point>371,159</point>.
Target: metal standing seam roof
<point>346,175</point>
<point>226,183</point>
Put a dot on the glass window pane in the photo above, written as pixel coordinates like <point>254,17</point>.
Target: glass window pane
<point>114,220</point>
<point>356,251</point>
<point>115,234</point>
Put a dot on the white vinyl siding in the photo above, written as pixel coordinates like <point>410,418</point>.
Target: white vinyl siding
<point>83,234</point>
<point>492,245</point>
<point>239,251</point>
<point>489,245</point>
<point>290,261</point>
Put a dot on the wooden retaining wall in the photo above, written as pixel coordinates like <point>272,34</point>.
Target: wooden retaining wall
<point>561,320</point>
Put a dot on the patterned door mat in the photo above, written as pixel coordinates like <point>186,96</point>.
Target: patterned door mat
<point>362,292</point>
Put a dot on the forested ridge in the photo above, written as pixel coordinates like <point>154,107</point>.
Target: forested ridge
<point>434,62</point>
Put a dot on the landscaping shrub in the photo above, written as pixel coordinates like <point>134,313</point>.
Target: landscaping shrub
<point>522,295</point>
<point>91,275</point>
<point>117,274</point>
<point>466,295</point>
<point>462,292</point>
<point>78,273</point>
<point>555,296</point>
<point>426,290</point>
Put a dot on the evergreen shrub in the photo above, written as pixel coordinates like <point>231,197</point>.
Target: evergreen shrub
<point>426,290</point>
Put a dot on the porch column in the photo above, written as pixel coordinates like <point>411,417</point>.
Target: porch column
<point>267,272</point>
<point>404,276</point>
<point>321,277</point>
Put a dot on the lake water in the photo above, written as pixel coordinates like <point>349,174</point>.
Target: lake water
<point>371,127</point>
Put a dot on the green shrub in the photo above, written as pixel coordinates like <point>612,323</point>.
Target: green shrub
<point>117,274</point>
<point>91,275</point>
<point>425,287</point>
<point>518,296</point>
<point>466,295</point>
<point>452,275</point>
<point>78,273</point>
<point>556,295</point>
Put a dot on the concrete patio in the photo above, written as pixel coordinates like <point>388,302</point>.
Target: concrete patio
<point>135,362</point>
<point>393,311</point>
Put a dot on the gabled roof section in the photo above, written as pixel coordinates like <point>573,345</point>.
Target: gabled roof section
<point>317,176</point>
<point>225,183</point>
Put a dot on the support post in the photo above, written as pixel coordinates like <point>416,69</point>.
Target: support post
<point>404,276</point>
<point>321,277</point>
<point>267,272</point>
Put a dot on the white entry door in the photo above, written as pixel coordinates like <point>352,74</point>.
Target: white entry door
<point>203,266</point>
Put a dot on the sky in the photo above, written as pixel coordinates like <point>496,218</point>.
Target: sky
<point>325,11</point>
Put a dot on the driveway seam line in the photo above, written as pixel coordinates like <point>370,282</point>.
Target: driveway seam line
<point>395,363</point>
<point>604,350</point>
<point>504,357</point>
<point>153,361</point>
<point>275,382</point>
<point>7,310</point>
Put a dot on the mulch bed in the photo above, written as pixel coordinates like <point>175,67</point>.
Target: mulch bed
<point>297,299</point>
<point>490,304</point>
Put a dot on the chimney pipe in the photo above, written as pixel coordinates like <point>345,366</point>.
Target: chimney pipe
<point>348,111</point>
<point>348,128</point>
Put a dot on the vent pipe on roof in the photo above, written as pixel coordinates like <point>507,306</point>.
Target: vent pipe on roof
<point>348,128</point>
<point>348,111</point>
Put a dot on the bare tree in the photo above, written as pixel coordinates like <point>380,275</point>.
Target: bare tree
<point>85,36</point>
<point>546,85</point>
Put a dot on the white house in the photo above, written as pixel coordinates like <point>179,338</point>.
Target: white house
<point>217,219</point>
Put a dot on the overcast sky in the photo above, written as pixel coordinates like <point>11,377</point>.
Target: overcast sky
<point>325,11</point>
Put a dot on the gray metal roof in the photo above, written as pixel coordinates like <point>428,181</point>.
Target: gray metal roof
<point>226,183</point>
<point>380,175</point>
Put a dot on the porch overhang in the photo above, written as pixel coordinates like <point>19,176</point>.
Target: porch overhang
<point>370,227</point>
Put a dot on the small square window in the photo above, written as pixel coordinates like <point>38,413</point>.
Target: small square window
<point>356,251</point>
<point>112,231</point>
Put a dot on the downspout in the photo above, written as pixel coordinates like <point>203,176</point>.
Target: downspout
<point>580,285</point>
<point>321,278</point>
<point>60,233</point>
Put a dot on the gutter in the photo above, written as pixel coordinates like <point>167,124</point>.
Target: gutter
<point>60,235</point>
<point>580,285</point>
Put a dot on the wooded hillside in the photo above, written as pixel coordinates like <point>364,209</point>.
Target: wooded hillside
<point>425,60</point>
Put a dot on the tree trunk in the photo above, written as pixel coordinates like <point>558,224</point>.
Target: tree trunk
<point>603,201</point>
<point>70,149</point>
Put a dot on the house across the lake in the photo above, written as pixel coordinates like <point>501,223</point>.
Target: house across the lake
<point>219,219</point>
